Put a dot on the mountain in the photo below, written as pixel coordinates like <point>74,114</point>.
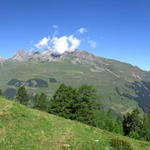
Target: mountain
<point>2,60</point>
<point>24,128</point>
<point>120,86</point>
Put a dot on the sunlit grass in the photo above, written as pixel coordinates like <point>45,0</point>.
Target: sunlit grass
<point>22,128</point>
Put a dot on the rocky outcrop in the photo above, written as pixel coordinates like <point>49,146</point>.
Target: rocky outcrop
<point>46,55</point>
<point>86,58</point>
<point>21,55</point>
<point>2,60</point>
<point>75,57</point>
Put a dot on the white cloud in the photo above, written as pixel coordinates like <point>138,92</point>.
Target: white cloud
<point>60,45</point>
<point>92,43</point>
<point>43,43</point>
<point>74,41</point>
<point>82,30</point>
<point>55,26</point>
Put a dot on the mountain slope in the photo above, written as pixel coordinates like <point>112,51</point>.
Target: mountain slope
<point>23,128</point>
<point>119,85</point>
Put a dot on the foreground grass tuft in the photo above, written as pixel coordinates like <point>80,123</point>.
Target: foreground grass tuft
<point>121,144</point>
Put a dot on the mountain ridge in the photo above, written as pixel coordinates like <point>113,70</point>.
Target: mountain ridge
<point>22,55</point>
<point>82,57</point>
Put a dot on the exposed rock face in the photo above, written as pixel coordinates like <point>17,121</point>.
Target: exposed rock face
<point>45,55</point>
<point>75,57</point>
<point>2,60</point>
<point>21,55</point>
<point>86,58</point>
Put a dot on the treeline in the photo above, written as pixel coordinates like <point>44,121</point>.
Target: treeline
<point>82,104</point>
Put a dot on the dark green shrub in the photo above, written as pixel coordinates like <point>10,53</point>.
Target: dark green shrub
<point>52,80</point>
<point>15,82</point>
<point>120,144</point>
<point>36,82</point>
<point>134,135</point>
<point>10,92</point>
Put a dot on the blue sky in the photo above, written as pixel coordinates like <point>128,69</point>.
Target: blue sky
<point>116,29</point>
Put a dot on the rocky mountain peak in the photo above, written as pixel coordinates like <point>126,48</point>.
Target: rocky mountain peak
<point>21,52</point>
<point>20,55</point>
<point>2,59</point>
<point>76,56</point>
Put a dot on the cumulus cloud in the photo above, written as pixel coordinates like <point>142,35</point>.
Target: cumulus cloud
<point>59,44</point>
<point>74,41</point>
<point>82,30</point>
<point>62,44</point>
<point>43,43</point>
<point>92,43</point>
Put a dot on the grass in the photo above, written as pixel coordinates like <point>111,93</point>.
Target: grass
<point>74,75</point>
<point>22,128</point>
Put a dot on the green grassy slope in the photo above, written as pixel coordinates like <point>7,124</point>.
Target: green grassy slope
<point>22,128</point>
<point>74,75</point>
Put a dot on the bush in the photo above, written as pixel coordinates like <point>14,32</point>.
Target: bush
<point>36,82</point>
<point>120,144</point>
<point>15,82</point>
<point>10,92</point>
<point>134,135</point>
<point>52,80</point>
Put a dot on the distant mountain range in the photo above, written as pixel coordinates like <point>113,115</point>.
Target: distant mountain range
<point>120,86</point>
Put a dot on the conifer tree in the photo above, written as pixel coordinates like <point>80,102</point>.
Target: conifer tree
<point>22,96</point>
<point>40,102</point>
<point>146,127</point>
<point>86,104</point>
<point>75,104</point>
<point>132,122</point>
<point>62,103</point>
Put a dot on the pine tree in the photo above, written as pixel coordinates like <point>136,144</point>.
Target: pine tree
<point>110,121</point>
<point>132,122</point>
<point>75,104</point>
<point>146,127</point>
<point>40,102</point>
<point>35,100</point>
<point>62,103</point>
<point>86,104</point>
<point>22,96</point>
